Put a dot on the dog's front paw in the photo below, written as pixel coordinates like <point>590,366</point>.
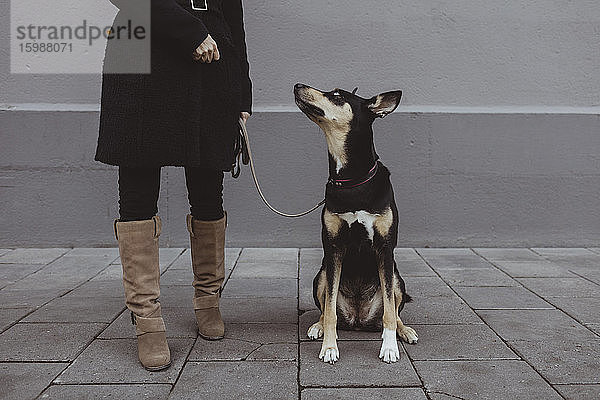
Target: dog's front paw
<point>408,334</point>
<point>315,331</point>
<point>389,352</point>
<point>389,348</point>
<point>329,354</point>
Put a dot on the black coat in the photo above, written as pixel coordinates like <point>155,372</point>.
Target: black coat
<point>185,112</point>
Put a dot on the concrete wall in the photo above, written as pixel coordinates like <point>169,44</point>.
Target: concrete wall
<point>497,141</point>
<point>445,53</point>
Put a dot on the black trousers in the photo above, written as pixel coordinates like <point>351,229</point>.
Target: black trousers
<point>139,189</point>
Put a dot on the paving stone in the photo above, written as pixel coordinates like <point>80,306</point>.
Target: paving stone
<point>32,256</point>
<point>26,380</point>
<point>579,392</point>
<point>99,289</point>
<point>58,284</point>
<point>577,265</point>
<point>501,298</point>
<point>482,380</point>
<point>11,273</point>
<point>112,273</point>
<point>443,252</point>
<point>66,272</point>
<point>310,263</point>
<point>595,249</point>
<point>458,261</point>
<point>269,254</point>
<point>310,317</point>
<point>456,342</point>
<point>76,264</point>
<point>575,259</point>
<point>420,287</point>
<point>177,277</point>
<point>272,310</point>
<point>8,316</point>
<point>28,298</point>
<point>440,396</point>
<point>406,253</point>
<point>438,310</point>
<point>261,287</point>
<point>506,254</point>
<point>315,253</point>
<point>221,350</point>
<point>363,393</point>
<point>594,327</point>
<point>262,333</point>
<point>584,309</point>
<point>166,257</point>
<point>4,251</point>
<point>98,392</point>
<point>106,252</point>
<point>231,257</point>
<point>266,269</point>
<point>476,277</point>
<point>275,352</point>
<point>359,365</point>
<point>534,325</point>
<point>172,296</point>
<point>590,274</point>
<point>47,341</point>
<point>268,380</point>
<point>78,309</point>
<point>408,268</point>
<point>180,323</point>
<point>184,261</point>
<point>560,251</point>
<point>116,361</point>
<point>561,287</point>
<point>533,269</point>
<point>563,361</point>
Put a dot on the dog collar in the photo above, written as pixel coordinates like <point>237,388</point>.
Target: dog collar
<point>350,183</point>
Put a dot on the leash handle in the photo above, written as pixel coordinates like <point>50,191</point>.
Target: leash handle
<point>262,196</point>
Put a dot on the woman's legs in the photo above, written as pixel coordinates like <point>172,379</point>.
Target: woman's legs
<point>205,193</point>
<point>206,225</point>
<point>138,192</point>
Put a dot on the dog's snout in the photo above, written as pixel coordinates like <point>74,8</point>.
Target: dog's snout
<point>299,86</point>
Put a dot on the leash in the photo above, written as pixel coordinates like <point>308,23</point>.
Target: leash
<point>243,151</point>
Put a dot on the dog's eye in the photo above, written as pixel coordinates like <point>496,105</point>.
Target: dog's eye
<point>336,93</point>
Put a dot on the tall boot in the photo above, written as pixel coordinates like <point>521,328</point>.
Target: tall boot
<point>138,249</point>
<point>207,240</point>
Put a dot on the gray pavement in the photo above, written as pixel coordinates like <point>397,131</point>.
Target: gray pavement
<point>492,324</point>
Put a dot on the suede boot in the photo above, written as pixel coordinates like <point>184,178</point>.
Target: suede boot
<point>207,240</point>
<point>138,249</point>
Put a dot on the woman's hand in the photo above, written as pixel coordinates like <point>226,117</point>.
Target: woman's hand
<point>244,116</point>
<point>207,51</point>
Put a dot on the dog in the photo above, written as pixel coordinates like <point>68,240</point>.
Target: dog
<point>358,286</point>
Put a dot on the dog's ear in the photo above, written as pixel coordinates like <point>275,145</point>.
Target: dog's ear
<point>384,103</point>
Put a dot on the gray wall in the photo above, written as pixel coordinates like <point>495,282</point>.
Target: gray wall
<point>497,141</point>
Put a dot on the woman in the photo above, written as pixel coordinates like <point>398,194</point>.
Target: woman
<point>184,113</point>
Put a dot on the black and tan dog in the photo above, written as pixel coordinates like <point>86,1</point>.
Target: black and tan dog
<point>358,286</point>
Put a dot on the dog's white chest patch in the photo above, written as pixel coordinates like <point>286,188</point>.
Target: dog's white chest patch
<point>364,218</point>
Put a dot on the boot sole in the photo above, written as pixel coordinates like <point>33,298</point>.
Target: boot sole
<point>211,338</point>
<point>154,369</point>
